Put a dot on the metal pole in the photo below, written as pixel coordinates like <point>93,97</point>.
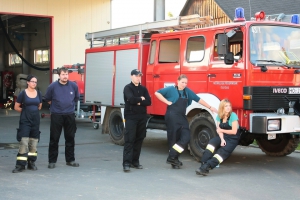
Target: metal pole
<point>159,10</point>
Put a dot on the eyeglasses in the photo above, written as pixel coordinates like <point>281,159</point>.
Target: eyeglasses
<point>33,82</point>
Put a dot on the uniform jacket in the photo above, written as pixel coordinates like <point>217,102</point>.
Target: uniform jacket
<point>132,96</point>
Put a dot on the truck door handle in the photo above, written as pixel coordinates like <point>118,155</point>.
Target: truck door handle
<point>156,76</point>
<point>212,75</point>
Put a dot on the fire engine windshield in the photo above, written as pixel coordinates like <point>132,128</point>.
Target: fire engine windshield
<point>275,45</point>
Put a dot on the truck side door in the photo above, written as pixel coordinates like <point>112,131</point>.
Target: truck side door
<point>195,56</point>
<point>165,70</point>
<point>226,81</point>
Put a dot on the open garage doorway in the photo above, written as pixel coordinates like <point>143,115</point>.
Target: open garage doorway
<point>26,47</point>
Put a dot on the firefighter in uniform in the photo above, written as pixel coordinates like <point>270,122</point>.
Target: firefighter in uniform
<point>178,98</point>
<point>136,99</point>
<point>29,102</point>
<point>220,148</point>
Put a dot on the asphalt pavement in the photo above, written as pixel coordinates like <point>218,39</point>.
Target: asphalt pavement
<point>247,174</point>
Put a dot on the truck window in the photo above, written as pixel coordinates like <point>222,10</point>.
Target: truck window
<point>169,51</point>
<point>215,50</point>
<point>234,45</point>
<point>195,49</point>
<point>152,52</point>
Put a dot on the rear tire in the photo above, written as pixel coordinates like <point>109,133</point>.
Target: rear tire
<point>202,129</point>
<point>116,127</point>
<point>281,146</point>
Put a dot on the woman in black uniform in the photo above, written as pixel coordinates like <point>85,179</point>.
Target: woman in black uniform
<point>29,102</point>
<point>178,98</point>
<point>220,148</point>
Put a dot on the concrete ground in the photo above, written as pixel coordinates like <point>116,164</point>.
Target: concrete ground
<point>247,174</point>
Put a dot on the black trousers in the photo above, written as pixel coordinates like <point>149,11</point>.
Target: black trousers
<point>67,122</point>
<point>217,155</point>
<point>178,131</point>
<point>134,137</point>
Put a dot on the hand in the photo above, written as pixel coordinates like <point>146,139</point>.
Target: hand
<point>213,109</point>
<point>169,103</point>
<point>223,142</point>
<point>219,130</point>
<point>143,98</point>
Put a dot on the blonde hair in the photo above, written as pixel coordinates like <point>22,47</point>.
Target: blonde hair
<point>221,111</point>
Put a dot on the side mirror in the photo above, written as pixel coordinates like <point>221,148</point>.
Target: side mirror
<point>229,58</point>
<point>222,44</point>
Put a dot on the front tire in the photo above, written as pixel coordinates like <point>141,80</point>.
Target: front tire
<point>202,129</point>
<point>116,127</point>
<point>281,146</point>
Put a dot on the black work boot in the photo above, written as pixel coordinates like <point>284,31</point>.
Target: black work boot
<point>19,168</point>
<point>174,161</point>
<point>31,166</point>
<point>126,168</point>
<point>203,170</point>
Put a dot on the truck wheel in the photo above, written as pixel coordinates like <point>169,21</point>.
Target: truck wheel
<point>202,129</point>
<point>281,146</point>
<point>116,127</point>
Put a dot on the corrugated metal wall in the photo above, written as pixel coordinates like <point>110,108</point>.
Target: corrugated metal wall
<point>72,19</point>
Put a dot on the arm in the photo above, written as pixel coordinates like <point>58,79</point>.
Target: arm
<point>41,100</point>
<point>130,97</point>
<point>233,131</point>
<point>77,95</point>
<point>18,107</point>
<point>19,101</point>
<point>162,98</point>
<point>147,98</point>
<point>40,106</point>
<point>221,135</point>
<point>202,102</point>
<point>48,94</point>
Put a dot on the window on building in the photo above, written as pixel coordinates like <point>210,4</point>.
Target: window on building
<point>169,51</point>
<point>195,49</point>
<point>41,56</point>
<point>14,59</point>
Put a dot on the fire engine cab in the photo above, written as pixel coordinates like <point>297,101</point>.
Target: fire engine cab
<point>255,64</point>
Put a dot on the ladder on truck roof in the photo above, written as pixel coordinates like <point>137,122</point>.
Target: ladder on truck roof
<point>179,23</point>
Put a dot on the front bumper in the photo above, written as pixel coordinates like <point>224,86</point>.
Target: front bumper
<point>260,123</point>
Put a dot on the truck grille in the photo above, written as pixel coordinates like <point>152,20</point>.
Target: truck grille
<point>270,98</point>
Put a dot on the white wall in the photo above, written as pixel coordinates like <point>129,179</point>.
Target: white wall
<point>71,20</point>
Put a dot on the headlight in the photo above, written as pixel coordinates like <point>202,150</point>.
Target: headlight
<point>274,124</point>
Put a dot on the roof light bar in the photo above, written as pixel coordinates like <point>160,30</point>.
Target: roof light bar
<point>295,19</point>
<point>239,15</point>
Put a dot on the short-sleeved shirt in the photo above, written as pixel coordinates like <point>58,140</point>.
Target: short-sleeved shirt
<point>233,117</point>
<point>171,94</point>
<point>31,104</point>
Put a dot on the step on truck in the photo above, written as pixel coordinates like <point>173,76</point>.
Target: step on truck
<point>255,64</point>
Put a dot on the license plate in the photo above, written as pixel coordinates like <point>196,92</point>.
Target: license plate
<point>271,136</point>
<point>294,90</point>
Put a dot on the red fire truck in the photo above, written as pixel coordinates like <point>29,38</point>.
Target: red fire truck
<point>262,80</point>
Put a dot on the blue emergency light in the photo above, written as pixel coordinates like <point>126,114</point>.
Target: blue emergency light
<point>239,14</point>
<point>295,19</point>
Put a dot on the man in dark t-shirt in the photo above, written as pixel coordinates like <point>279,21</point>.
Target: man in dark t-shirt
<point>62,95</point>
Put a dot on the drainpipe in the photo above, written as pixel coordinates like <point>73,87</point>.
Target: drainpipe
<point>159,10</point>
